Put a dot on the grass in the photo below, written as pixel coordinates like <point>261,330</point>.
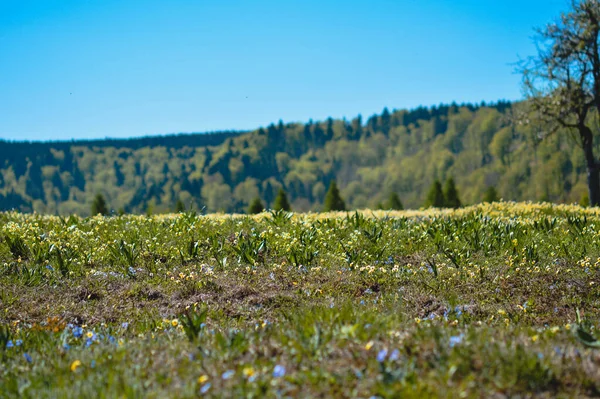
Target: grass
<point>489,300</point>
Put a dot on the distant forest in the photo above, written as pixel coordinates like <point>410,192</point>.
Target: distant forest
<point>399,151</point>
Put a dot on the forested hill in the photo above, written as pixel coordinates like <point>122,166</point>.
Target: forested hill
<point>401,151</point>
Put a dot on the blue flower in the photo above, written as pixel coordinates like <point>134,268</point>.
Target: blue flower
<point>9,344</point>
<point>382,355</point>
<point>455,340</point>
<point>93,364</point>
<point>66,346</point>
<point>27,357</point>
<point>205,387</point>
<point>395,355</point>
<point>228,374</point>
<point>77,332</point>
<point>278,371</point>
<point>112,339</point>
<point>50,268</point>
<point>124,325</point>
<point>458,311</point>
<point>19,342</point>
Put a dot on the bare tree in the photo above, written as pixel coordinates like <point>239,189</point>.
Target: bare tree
<point>562,83</point>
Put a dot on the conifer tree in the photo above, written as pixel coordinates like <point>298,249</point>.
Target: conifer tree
<point>281,201</point>
<point>179,206</point>
<point>435,196</point>
<point>333,199</point>
<point>585,200</point>
<point>394,202</point>
<point>451,199</point>
<point>256,206</point>
<point>99,205</point>
<point>490,195</point>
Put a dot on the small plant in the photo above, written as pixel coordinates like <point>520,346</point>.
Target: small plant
<point>126,255</point>
<point>305,253</point>
<point>4,336</point>
<point>279,217</point>
<point>250,248</point>
<point>215,245</point>
<point>17,247</point>
<point>62,258</point>
<point>192,250</point>
<point>193,321</point>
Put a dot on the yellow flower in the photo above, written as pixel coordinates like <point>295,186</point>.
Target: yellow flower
<point>174,322</point>
<point>567,326</point>
<point>502,312</point>
<point>89,334</point>
<point>202,379</point>
<point>75,365</point>
<point>369,345</point>
<point>535,337</point>
<point>248,372</point>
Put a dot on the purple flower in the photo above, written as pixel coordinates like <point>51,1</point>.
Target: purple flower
<point>124,325</point>
<point>27,357</point>
<point>278,371</point>
<point>382,355</point>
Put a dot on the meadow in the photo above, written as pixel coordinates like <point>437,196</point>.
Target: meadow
<point>492,300</point>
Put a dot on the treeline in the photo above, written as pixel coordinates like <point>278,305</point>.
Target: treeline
<point>396,153</point>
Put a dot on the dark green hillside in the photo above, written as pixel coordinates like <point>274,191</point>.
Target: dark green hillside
<point>399,151</point>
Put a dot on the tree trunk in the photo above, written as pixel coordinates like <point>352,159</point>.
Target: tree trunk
<point>593,168</point>
<point>594,185</point>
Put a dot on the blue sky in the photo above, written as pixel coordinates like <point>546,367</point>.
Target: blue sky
<point>121,68</point>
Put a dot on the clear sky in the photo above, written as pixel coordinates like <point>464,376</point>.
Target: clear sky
<point>121,68</point>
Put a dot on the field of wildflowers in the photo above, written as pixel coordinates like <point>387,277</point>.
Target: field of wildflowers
<point>492,300</point>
